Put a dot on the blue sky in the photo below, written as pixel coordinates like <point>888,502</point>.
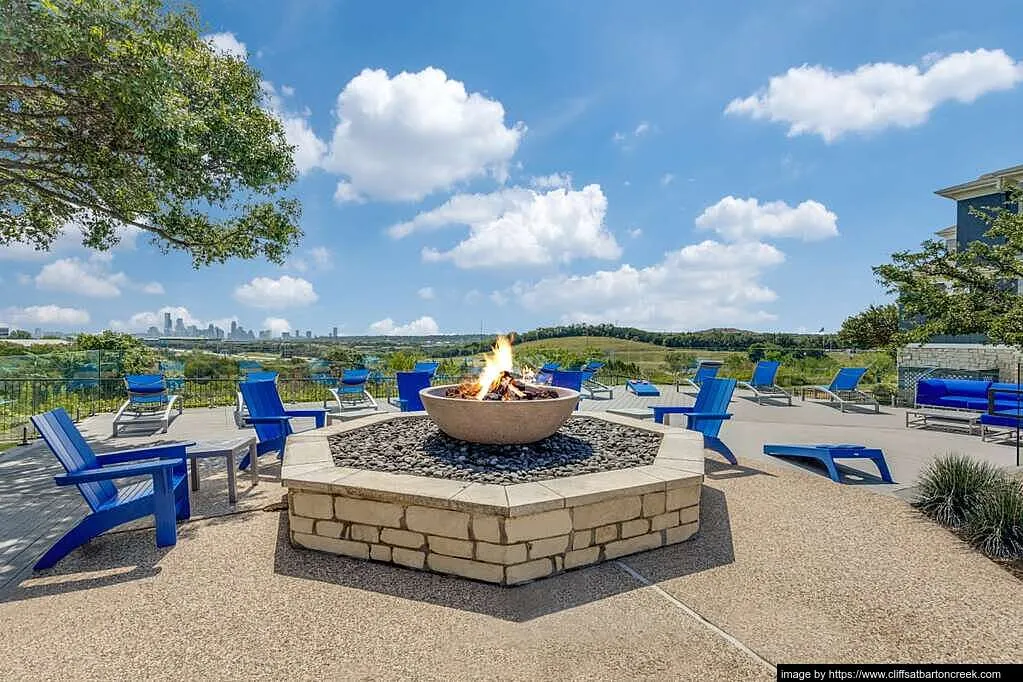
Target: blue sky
<point>659,164</point>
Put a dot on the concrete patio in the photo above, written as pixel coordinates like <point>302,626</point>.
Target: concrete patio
<point>788,566</point>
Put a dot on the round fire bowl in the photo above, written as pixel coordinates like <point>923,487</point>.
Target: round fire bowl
<point>498,422</point>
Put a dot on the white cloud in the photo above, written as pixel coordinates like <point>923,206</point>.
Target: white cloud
<point>283,292</point>
<point>667,179</point>
<point>817,100</point>
<point>741,219</point>
<point>699,285</point>
<point>316,258</point>
<point>276,325</point>
<point>517,226</point>
<point>473,296</point>
<point>347,194</point>
<point>90,277</point>
<point>498,298</point>
<point>635,233</point>
<point>51,315</point>
<point>629,139</point>
<point>424,326</point>
<point>552,181</point>
<point>142,321</point>
<point>309,150</point>
<point>404,137</point>
<point>85,278</point>
<point>426,293</point>
<point>227,43</point>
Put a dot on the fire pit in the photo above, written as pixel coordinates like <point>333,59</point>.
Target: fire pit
<point>501,407</point>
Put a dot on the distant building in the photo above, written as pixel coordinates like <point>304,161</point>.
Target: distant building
<point>309,334</point>
<point>5,332</point>
<point>167,324</point>
<point>152,331</point>
<point>334,332</point>
<point>285,335</point>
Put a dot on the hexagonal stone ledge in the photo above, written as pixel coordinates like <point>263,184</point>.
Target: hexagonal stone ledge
<point>505,534</point>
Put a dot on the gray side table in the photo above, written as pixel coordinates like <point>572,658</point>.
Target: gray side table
<point>229,449</point>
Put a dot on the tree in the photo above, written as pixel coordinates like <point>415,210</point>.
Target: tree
<point>341,357</point>
<point>875,327</point>
<point>678,362</point>
<point>135,357</point>
<point>116,113</point>
<point>963,291</point>
<point>20,334</point>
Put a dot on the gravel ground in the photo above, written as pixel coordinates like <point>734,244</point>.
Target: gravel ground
<point>416,446</point>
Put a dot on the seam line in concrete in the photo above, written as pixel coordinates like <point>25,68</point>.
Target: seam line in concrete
<point>738,644</point>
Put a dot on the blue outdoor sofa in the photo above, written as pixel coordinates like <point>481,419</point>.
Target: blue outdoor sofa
<point>965,394</point>
<point>1001,403</point>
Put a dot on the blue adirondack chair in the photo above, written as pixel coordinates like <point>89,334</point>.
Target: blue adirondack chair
<point>409,385</point>
<point>241,413</point>
<point>844,389</point>
<point>352,390</point>
<point>706,369</point>
<point>568,378</point>
<point>164,495</point>
<point>269,418</point>
<point>707,415</point>
<point>544,376</point>
<point>426,366</point>
<point>261,375</point>
<point>149,399</point>
<point>762,382</point>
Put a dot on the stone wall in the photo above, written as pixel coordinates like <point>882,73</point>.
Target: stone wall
<point>964,356</point>
<point>499,549</point>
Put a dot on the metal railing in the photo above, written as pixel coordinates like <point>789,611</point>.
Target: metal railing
<point>21,398</point>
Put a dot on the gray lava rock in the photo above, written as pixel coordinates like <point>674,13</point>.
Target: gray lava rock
<point>416,446</point>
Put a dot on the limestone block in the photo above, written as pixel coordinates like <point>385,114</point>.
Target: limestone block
<point>364,533</point>
<point>605,534</point>
<point>680,533</point>
<point>640,543</point>
<point>535,526</point>
<point>300,524</point>
<point>501,554</point>
<point>441,545</point>
<point>476,570</point>
<point>531,570</point>
<point>581,557</point>
<point>548,546</point>
<point>635,527</point>
<point>664,521</point>
<point>689,514</point>
<point>682,497</point>
<point>359,550</point>
<point>380,553</point>
<point>312,505</point>
<point>331,529</point>
<point>451,524</point>
<point>402,538</point>
<point>582,538</point>
<point>408,557</point>
<point>607,511</point>
<point>486,528</point>
<point>653,504</point>
<point>369,512</point>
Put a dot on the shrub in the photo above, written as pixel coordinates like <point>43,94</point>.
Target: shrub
<point>953,486</point>
<point>995,526</point>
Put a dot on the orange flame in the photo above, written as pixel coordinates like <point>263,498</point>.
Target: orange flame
<point>500,360</point>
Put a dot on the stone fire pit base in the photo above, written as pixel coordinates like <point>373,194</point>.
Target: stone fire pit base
<point>505,534</point>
